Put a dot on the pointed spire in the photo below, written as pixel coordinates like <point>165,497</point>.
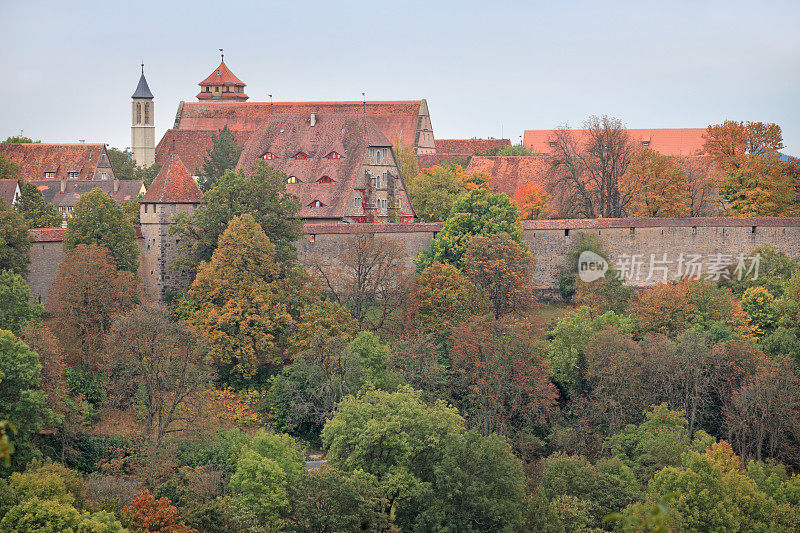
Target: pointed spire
<point>142,90</point>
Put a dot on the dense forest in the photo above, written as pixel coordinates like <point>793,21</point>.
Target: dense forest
<point>363,395</point>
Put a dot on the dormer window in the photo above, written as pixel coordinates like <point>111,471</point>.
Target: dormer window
<point>316,203</point>
<point>49,175</point>
<point>268,156</point>
<point>301,155</point>
<point>292,179</point>
<point>552,144</point>
<point>325,179</point>
<point>645,143</point>
<point>72,175</point>
<point>334,155</point>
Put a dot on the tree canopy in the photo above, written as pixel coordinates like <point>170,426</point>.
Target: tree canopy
<point>15,245</point>
<point>36,211</point>
<point>222,156</point>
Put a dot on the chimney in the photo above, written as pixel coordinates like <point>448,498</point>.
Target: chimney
<point>116,185</point>
<point>63,185</point>
<point>313,119</point>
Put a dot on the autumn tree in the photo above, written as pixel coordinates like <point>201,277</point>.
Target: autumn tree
<point>702,191</point>
<point>368,278</point>
<point>586,168</point>
<point>239,301</point>
<point>223,155</point>
<point>149,515</point>
<point>434,190</point>
<point>36,211</point>
<point>262,195</point>
<point>160,368</point>
<point>499,379</point>
<point>21,401</point>
<point>87,293</point>
<point>97,219</point>
<point>502,267</point>
<point>656,185</point>
<point>480,212</point>
<point>15,306</point>
<point>441,298</point>
<point>406,162</point>
<point>15,245</point>
<point>533,203</point>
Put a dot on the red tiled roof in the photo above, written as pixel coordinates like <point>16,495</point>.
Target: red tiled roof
<point>669,142</point>
<point>192,146</point>
<point>396,119</point>
<point>47,234</point>
<point>127,190</point>
<point>34,159</point>
<point>173,185</point>
<point>509,173</point>
<point>224,94</point>
<point>222,75</point>
<point>287,134</point>
<point>469,146</point>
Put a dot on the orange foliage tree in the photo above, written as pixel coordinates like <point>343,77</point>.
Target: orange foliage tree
<point>148,515</point>
<point>656,186</point>
<point>533,202</point>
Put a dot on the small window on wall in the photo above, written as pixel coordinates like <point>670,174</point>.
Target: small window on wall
<point>292,179</point>
<point>312,238</point>
<point>372,152</point>
<point>357,201</point>
<point>72,175</point>
<point>383,204</point>
<point>145,208</point>
<point>378,157</point>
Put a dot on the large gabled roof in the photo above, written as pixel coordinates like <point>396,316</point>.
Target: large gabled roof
<point>283,136</point>
<point>509,173</point>
<point>669,142</point>
<point>35,159</point>
<point>173,185</point>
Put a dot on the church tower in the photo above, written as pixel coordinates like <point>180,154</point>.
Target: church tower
<point>143,132</point>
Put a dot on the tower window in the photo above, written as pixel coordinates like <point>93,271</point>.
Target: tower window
<point>138,113</point>
<point>292,179</point>
<point>147,113</point>
<point>325,179</point>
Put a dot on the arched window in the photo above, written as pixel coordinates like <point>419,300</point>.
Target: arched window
<point>292,179</point>
<point>325,179</point>
<point>138,113</point>
<point>378,157</point>
<point>147,112</point>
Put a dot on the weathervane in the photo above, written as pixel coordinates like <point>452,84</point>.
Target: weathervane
<point>222,53</point>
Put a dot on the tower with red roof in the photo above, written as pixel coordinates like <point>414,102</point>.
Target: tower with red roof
<point>222,85</point>
<point>173,192</point>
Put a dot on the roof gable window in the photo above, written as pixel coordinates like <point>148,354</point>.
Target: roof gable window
<point>317,203</point>
<point>645,143</point>
<point>72,175</point>
<point>334,155</point>
<point>325,179</point>
<point>293,179</point>
<point>49,175</point>
<point>268,156</point>
<point>301,155</point>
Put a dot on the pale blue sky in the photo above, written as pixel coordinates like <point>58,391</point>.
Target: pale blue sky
<point>486,68</point>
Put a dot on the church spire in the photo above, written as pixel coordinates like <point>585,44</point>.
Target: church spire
<point>142,90</point>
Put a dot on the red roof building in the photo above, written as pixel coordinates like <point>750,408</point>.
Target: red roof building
<point>459,150</point>
<point>341,166</point>
<point>46,161</point>
<point>173,185</point>
<point>669,142</point>
<point>222,85</point>
<point>509,173</point>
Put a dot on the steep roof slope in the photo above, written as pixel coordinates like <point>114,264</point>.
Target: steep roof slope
<point>285,135</point>
<point>509,173</point>
<point>173,185</point>
<point>9,190</point>
<point>34,159</point>
<point>127,190</point>
<point>193,145</point>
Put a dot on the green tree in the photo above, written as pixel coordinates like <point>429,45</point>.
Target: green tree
<point>406,162</point>
<point>262,195</point>
<point>434,190</point>
<point>480,212</point>
<point>15,306</point>
<point>37,515</point>
<point>21,401</point>
<point>147,174</point>
<point>266,468</point>
<point>9,170</point>
<point>122,163</point>
<point>35,209</point>
<point>97,219</point>
<point>239,302</point>
<point>760,307</point>
<point>19,139</point>
<point>222,156</point>
<point>15,245</point>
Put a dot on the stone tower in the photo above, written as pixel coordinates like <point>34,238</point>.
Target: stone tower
<point>143,132</point>
<point>172,192</point>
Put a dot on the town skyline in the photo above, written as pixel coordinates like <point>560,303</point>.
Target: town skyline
<point>675,68</point>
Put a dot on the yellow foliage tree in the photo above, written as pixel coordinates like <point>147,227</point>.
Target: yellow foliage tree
<point>533,202</point>
<point>655,185</point>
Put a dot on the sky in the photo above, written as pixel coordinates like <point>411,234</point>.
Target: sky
<point>487,69</point>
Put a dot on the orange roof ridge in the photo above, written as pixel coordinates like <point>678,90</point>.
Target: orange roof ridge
<point>173,185</point>
<point>222,75</point>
